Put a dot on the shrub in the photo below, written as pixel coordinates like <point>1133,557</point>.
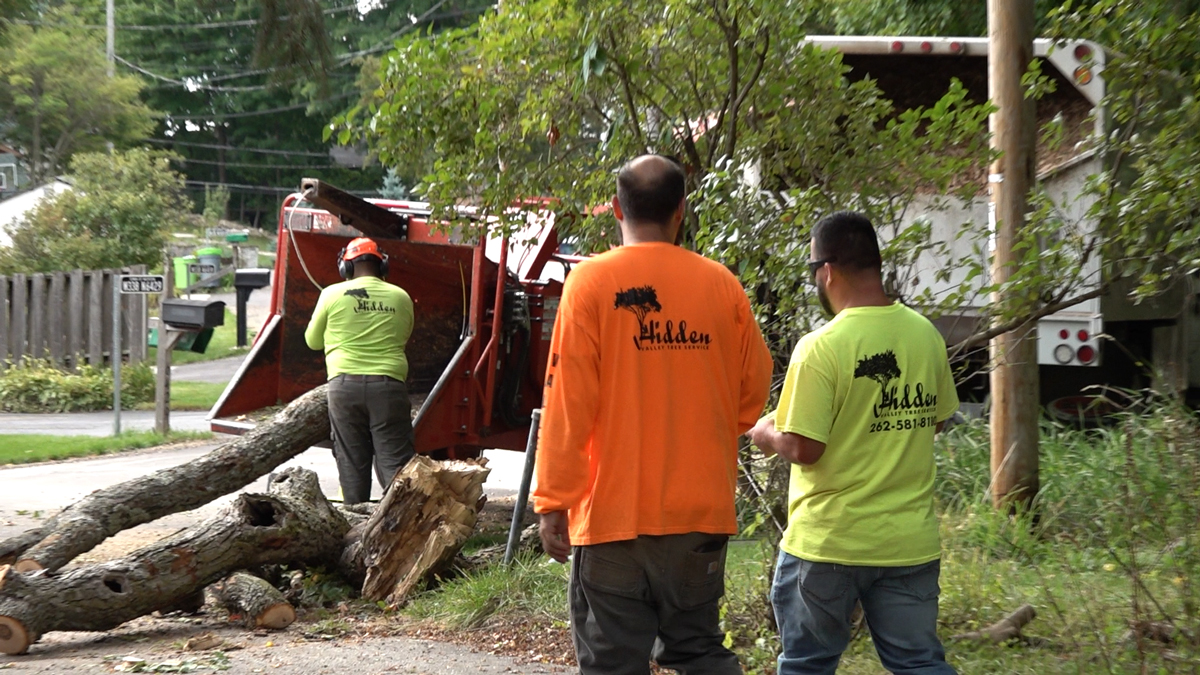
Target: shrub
<point>39,387</point>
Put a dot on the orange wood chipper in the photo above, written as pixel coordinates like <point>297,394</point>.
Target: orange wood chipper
<point>484,313</point>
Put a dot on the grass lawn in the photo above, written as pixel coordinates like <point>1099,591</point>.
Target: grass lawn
<point>1110,563</point>
<point>26,448</point>
<point>194,395</point>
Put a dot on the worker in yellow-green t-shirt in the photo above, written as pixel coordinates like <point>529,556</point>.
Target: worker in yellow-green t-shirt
<point>861,402</point>
<point>363,324</point>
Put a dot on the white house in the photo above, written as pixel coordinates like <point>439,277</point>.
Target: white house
<point>13,209</point>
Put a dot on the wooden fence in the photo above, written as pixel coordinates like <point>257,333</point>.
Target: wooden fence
<point>67,318</point>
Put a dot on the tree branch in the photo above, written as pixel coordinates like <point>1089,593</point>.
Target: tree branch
<point>1009,326</point>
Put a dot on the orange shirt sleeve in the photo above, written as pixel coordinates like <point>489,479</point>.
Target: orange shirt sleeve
<point>570,400</point>
<point>756,369</point>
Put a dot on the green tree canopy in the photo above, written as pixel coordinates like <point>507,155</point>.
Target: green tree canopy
<point>56,98</point>
<point>550,97</point>
<point>118,213</point>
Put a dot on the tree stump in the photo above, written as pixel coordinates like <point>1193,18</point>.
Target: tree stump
<point>262,605</point>
<point>91,520</point>
<point>423,521</point>
<point>294,523</point>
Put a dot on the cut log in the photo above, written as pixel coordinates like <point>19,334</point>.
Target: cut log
<point>293,524</point>
<point>260,603</point>
<point>423,521</point>
<point>1003,630</point>
<point>228,468</point>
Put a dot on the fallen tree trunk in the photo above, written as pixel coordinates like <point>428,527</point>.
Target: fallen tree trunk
<point>294,523</point>
<point>258,602</point>
<point>1003,630</point>
<point>103,513</point>
<point>423,521</point>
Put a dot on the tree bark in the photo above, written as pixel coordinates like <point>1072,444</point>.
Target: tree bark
<point>294,523</point>
<point>422,522</point>
<point>1003,630</point>
<point>260,603</point>
<point>91,520</point>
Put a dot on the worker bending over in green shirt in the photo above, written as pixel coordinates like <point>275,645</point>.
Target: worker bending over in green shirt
<point>363,325</point>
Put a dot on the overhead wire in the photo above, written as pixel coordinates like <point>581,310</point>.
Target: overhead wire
<point>251,165</point>
<point>214,146</point>
<point>173,26</point>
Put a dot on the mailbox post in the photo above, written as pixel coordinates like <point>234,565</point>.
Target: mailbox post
<point>176,317</point>
<point>245,281</point>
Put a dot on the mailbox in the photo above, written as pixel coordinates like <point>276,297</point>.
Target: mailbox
<point>255,277</point>
<point>193,314</point>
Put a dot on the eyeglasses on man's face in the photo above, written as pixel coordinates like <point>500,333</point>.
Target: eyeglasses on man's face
<point>814,265</point>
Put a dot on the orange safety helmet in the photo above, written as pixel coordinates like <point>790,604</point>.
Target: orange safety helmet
<point>356,249</point>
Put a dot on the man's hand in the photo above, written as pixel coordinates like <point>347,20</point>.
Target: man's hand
<point>794,448</point>
<point>762,434</point>
<point>553,530</point>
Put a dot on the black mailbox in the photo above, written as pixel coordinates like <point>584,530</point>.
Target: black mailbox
<point>255,277</point>
<point>193,314</point>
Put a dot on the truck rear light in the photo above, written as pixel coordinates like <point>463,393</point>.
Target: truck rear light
<point>1064,334</point>
<point>1064,354</point>
<point>897,46</point>
<point>1083,75</point>
<point>1086,354</point>
<point>1083,53</point>
<point>1083,336</point>
<point>926,46</point>
<point>956,47</point>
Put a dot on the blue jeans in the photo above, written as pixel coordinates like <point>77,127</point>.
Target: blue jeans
<point>813,602</point>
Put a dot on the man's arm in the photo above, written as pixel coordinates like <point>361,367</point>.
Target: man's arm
<point>314,335</point>
<point>756,370</point>
<point>795,448</point>
<point>570,402</point>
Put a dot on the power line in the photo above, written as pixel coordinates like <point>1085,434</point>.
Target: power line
<point>190,86</point>
<point>255,113</point>
<point>342,60</point>
<point>213,146</point>
<point>250,165</point>
<point>173,26</point>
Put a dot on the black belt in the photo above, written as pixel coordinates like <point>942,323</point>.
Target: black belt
<point>368,378</point>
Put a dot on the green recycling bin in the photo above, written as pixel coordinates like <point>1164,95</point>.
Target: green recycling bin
<point>184,278</point>
<point>210,259</point>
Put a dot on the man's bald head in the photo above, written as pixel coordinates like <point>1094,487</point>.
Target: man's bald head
<point>650,189</point>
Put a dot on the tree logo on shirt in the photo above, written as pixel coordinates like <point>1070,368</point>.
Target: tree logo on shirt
<point>655,335</point>
<point>883,368</point>
<point>365,304</point>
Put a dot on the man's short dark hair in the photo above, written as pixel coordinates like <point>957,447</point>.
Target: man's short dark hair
<point>848,239</point>
<point>650,192</point>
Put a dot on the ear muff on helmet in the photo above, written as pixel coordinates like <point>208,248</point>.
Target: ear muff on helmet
<point>357,249</point>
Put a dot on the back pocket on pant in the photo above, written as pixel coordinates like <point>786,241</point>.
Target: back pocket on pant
<point>704,576</point>
<point>824,582</point>
<point>610,576</point>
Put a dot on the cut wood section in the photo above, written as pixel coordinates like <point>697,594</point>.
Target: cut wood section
<point>292,524</point>
<point>228,468</point>
<point>422,522</point>
<point>262,605</point>
<point>1003,630</point>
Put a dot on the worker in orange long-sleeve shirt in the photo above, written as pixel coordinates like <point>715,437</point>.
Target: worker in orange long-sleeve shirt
<point>657,366</point>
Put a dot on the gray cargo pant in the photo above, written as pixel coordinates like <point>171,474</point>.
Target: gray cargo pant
<point>651,597</point>
<point>371,419</point>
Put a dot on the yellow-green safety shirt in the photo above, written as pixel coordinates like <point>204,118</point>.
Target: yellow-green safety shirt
<point>363,325</point>
<point>872,384</point>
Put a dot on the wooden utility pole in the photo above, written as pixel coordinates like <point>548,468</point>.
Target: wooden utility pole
<point>1014,375</point>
